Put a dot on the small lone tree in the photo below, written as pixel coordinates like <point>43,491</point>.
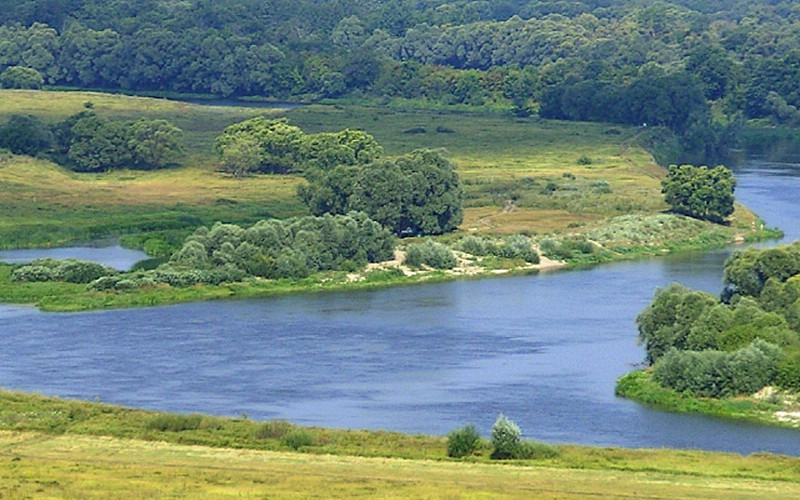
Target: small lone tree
<point>463,441</point>
<point>506,438</point>
<point>700,192</point>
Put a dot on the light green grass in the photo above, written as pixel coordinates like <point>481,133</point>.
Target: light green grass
<point>640,386</point>
<point>70,449</point>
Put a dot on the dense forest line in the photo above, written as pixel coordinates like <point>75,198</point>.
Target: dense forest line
<point>743,55</point>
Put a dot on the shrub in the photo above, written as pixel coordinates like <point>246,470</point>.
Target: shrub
<point>175,423</point>
<point>462,441</point>
<point>474,245</point>
<point>69,270</point>
<point>32,273</point>
<point>430,254</point>
<point>716,373</point>
<point>530,450</point>
<point>519,247</point>
<point>788,371</point>
<point>273,430</point>
<point>584,160</point>
<point>506,438</point>
<point>297,439</point>
<point>80,271</point>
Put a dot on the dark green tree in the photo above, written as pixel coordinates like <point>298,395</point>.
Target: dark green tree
<point>278,145</point>
<point>21,77</point>
<point>98,146</point>
<point>700,192</point>
<point>25,135</point>
<point>153,143</point>
<point>415,194</point>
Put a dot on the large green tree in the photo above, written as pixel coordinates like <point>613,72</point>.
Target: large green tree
<point>415,194</point>
<point>700,192</point>
<point>25,135</point>
<point>21,77</point>
<point>154,143</point>
<point>276,142</point>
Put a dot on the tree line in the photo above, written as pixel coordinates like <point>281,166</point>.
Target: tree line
<point>741,54</point>
<point>84,142</point>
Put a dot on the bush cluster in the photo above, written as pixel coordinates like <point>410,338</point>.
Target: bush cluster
<point>293,248</point>
<point>430,253</point>
<point>751,338</point>
<point>69,270</point>
<point>85,142</point>
<point>718,373</point>
<point>568,248</point>
<point>517,246</point>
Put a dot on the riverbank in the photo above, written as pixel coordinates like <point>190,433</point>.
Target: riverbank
<point>768,406</point>
<point>72,448</point>
<point>678,235</point>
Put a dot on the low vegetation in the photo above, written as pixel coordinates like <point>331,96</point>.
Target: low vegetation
<point>70,448</point>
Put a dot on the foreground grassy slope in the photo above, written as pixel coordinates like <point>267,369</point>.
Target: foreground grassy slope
<point>71,449</point>
<point>42,466</point>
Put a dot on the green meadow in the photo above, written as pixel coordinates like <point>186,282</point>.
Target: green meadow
<point>53,448</point>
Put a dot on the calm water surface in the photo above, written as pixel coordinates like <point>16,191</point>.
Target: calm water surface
<point>112,255</point>
<point>544,350</point>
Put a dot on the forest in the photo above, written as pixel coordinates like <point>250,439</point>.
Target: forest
<point>729,59</point>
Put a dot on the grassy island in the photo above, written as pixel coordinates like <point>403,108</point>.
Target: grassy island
<point>577,193</point>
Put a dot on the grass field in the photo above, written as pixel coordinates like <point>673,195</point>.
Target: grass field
<point>595,170</point>
<point>42,466</point>
<point>53,448</point>
<point>529,176</point>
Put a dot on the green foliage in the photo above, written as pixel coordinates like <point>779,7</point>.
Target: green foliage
<point>259,144</point>
<point>154,143</point>
<point>175,423</point>
<point>506,438</point>
<point>297,439</point>
<point>87,143</point>
<point>716,349</point>
<point>415,194</point>
<point>68,270</point>
<point>98,145</point>
<point>566,249</point>
<point>667,321</point>
<point>463,441</point>
<point>294,248</point>
<point>718,374</point>
<point>787,370</point>
<point>531,450</point>
<point>517,246</point>
<point>21,77</point>
<point>747,272</point>
<point>700,192</point>
<point>273,430</point>
<point>25,135</point>
<point>430,253</point>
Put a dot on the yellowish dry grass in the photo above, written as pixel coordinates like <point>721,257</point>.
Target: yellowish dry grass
<point>41,466</point>
<point>26,178</point>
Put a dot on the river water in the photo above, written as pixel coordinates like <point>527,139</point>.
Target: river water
<point>544,350</point>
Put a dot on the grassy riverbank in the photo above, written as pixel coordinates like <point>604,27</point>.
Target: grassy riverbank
<point>768,407</point>
<point>54,447</point>
<point>549,180</point>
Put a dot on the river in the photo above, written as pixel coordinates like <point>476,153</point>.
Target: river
<point>544,350</point>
